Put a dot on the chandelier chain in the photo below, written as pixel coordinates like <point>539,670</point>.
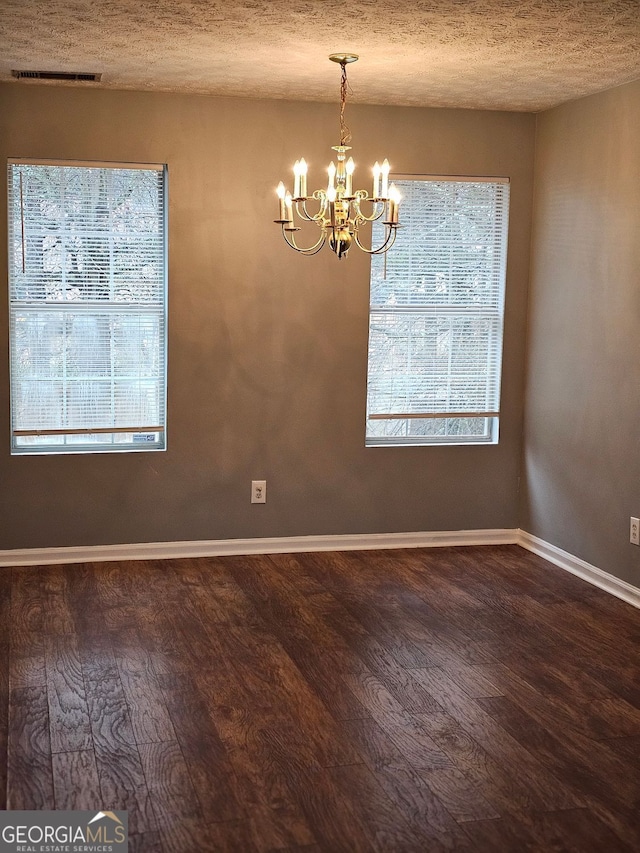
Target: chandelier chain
<point>345,133</point>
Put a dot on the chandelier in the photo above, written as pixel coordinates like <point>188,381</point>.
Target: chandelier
<point>339,212</point>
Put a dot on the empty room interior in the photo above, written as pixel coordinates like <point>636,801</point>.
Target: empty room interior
<point>320,424</point>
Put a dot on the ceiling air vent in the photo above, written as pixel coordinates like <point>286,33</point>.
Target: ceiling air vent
<point>57,75</point>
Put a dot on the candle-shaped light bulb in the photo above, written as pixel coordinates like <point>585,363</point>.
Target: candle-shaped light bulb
<point>384,191</point>
<point>394,201</point>
<point>376,180</point>
<point>296,179</point>
<point>331,198</point>
<point>303,178</point>
<point>281,193</point>
<point>332,173</point>
<point>289,205</point>
<point>350,168</point>
<point>394,193</point>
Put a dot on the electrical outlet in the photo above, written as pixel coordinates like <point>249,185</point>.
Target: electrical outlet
<point>634,531</point>
<point>258,491</point>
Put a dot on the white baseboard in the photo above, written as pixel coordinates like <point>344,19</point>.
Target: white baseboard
<point>591,574</point>
<point>282,545</point>
<point>347,542</point>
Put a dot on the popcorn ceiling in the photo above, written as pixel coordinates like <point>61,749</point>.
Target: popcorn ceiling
<point>483,54</point>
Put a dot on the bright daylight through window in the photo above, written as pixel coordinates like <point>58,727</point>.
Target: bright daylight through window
<point>87,284</point>
<point>436,316</point>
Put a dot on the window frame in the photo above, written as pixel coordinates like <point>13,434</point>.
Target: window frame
<point>108,307</point>
<point>491,432</point>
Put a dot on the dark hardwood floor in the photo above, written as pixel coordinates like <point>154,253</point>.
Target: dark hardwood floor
<point>472,699</point>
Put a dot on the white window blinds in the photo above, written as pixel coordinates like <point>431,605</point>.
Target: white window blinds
<point>87,284</point>
<point>436,316</point>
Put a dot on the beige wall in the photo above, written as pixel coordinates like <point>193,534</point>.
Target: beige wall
<point>267,350</point>
<point>581,474</point>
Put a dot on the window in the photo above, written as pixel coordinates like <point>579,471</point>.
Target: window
<point>87,285</point>
<point>437,300</point>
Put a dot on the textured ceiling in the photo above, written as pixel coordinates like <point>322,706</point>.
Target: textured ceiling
<point>486,54</point>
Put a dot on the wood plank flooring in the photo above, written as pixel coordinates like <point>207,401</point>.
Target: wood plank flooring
<point>471,699</point>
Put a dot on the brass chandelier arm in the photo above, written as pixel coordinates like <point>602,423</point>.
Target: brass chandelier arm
<point>303,213</point>
<point>362,195</point>
<point>388,243</point>
<point>312,250</point>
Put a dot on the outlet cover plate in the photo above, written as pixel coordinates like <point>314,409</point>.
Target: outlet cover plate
<point>258,491</point>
